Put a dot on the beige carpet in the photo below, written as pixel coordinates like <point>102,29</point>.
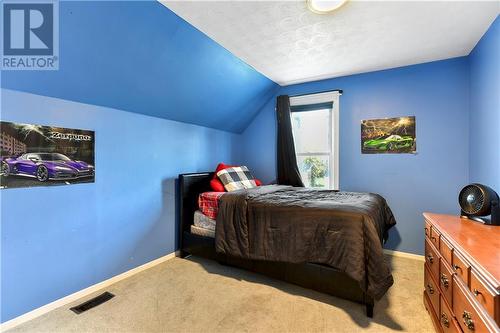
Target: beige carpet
<point>197,295</point>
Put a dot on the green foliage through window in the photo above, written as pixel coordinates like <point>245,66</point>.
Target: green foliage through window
<point>316,170</point>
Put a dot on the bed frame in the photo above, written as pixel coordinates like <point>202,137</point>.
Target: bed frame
<point>313,276</point>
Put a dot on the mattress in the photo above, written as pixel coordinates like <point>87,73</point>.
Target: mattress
<point>202,231</point>
<point>208,202</point>
<point>203,221</point>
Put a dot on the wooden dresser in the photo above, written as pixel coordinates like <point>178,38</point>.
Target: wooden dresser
<point>462,274</point>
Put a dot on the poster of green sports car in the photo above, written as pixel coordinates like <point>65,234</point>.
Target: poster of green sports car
<point>389,136</point>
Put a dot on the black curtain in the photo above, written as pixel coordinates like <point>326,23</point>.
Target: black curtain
<point>288,172</point>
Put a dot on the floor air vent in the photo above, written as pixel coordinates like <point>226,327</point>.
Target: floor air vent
<point>91,303</point>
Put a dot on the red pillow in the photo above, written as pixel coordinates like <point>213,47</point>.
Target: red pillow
<point>217,185</point>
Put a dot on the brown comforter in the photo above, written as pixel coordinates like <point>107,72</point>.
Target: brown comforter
<point>343,230</point>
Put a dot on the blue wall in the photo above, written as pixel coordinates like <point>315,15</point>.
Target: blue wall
<point>485,109</point>
<point>58,240</point>
<point>139,56</point>
<point>437,94</point>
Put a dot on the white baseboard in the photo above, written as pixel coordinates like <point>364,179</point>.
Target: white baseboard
<point>404,255</point>
<point>82,293</point>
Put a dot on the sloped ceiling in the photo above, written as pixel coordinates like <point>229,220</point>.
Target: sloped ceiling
<point>139,56</point>
<point>290,44</point>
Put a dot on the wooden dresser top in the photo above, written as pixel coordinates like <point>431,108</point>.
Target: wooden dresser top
<point>479,243</point>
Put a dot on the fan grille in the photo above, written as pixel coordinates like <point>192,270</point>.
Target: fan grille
<point>471,199</point>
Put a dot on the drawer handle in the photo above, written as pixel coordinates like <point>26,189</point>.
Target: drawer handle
<point>444,280</point>
<point>456,267</point>
<point>444,320</point>
<point>431,289</point>
<point>430,258</point>
<point>433,238</point>
<point>476,292</point>
<point>469,323</point>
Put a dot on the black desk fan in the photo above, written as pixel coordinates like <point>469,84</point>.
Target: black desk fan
<point>480,203</point>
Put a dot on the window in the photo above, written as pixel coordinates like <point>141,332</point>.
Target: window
<point>315,120</point>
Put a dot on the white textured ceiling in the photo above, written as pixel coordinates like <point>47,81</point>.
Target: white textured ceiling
<point>289,44</point>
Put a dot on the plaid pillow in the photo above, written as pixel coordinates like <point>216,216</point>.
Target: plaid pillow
<point>236,178</point>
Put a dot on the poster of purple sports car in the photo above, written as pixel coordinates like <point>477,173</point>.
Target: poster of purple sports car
<point>35,155</point>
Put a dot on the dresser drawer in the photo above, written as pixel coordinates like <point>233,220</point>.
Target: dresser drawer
<point>466,312</point>
<point>461,267</point>
<point>434,316</point>
<point>432,290</point>
<point>427,229</point>
<point>435,235</point>
<point>445,281</point>
<point>446,250</point>
<point>432,259</point>
<point>484,295</point>
<point>446,319</point>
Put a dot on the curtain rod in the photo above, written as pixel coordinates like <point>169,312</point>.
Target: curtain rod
<point>340,91</point>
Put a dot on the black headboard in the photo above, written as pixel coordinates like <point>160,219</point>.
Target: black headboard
<point>190,187</point>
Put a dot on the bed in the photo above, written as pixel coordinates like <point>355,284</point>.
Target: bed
<point>352,267</point>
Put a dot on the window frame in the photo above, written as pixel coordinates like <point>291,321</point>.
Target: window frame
<point>322,98</point>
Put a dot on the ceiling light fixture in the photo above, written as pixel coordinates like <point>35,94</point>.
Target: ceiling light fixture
<point>324,6</point>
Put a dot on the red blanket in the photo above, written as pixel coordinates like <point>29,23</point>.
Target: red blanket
<point>208,202</point>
